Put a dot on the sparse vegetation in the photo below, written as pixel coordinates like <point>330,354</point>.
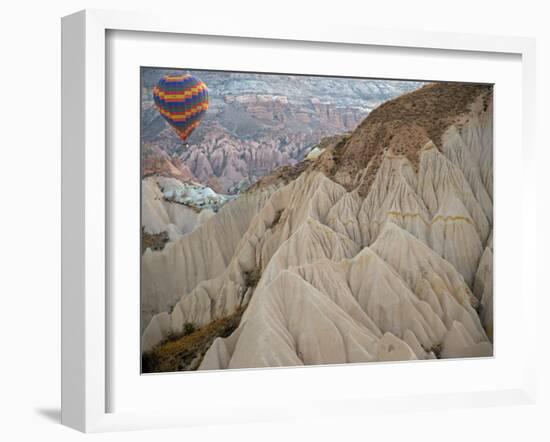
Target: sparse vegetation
<point>189,328</point>
<point>276,218</point>
<point>252,277</point>
<point>153,241</point>
<point>186,351</point>
<point>436,349</point>
<point>281,175</point>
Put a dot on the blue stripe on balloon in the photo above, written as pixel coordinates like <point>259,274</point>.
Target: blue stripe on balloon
<point>186,123</point>
<point>199,97</point>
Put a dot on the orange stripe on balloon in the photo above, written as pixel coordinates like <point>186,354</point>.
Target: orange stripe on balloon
<point>176,78</point>
<point>181,116</point>
<point>180,96</point>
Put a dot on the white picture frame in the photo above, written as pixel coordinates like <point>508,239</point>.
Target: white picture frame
<point>85,200</point>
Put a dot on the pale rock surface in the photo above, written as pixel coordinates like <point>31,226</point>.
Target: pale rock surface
<point>399,287</point>
<point>370,291</point>
<point>343,217</point>
<point>396,274</point>
<point>198,256</point>
<point>289,322</point>
<point>364,292</point>
<point>483,289</point>
<point>453,236</point>
<point>460,344</point>
<point>393,198</point>
<point>431,278</point>
<point>471,149</point>
<point>289,216</point>
<point>160,215</point>
<point>191,194</point>
<point>439,180</point>
<point>314,153</point>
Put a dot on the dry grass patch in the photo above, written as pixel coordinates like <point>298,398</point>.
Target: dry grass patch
<point>153,241</point>
<point>280,176</point>
<point>186,351</point>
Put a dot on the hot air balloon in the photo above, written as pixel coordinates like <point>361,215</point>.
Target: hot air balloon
<point>182,100</point>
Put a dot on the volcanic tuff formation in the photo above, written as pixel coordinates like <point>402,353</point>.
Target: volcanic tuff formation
<point>256,123</point>
<point>380,249</point>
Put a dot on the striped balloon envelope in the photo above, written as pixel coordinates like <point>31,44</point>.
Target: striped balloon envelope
<point>182,100</point>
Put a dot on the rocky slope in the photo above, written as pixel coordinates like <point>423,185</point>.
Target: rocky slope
<point>256,123</point>
<point>176,208</point>
<point>377,249</point>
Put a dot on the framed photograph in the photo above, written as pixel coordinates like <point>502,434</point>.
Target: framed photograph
<point>265,223</point>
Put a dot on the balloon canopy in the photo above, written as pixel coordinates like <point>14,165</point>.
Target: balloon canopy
<point>182,100</point>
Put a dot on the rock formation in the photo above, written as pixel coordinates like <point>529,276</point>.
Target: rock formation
<point>256,123</point>
<point>379,248</point>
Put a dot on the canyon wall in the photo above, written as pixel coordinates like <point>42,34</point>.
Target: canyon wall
<point>379,248</point>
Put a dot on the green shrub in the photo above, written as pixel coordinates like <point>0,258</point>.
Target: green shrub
<point>188,328</point>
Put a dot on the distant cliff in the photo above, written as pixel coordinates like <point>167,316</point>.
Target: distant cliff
<point>256,123</point>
